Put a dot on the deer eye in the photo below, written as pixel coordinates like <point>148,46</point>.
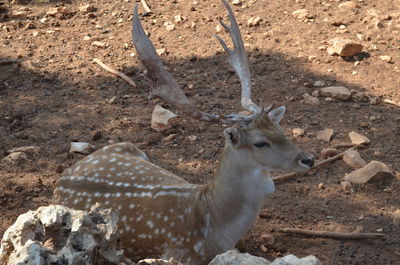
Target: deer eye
<point>262,144</point>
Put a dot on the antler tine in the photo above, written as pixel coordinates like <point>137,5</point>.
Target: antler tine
<point>164,85</point>
<point>238,60</point>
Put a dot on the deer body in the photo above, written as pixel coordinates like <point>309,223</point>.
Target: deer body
<point>162,215</point>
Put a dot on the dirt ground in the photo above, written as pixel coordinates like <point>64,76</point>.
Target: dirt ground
<point>56,95</point>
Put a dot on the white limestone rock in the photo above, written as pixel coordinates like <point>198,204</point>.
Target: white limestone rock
<point>372,172</point>
<point>162,119</point>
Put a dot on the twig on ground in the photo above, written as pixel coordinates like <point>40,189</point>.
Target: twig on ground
<point>388,101</point>
<point>317,165</point>
<point>343,145</point>
<point>145,6</point>
<point>328,234</point>
<point>9,61</point>
<point>114,72</point>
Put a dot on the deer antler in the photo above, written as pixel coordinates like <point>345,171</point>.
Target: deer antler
<point>238,60</point>
<point>166,88</point>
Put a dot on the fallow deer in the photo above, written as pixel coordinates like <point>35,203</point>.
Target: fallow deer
<point>162,215</point>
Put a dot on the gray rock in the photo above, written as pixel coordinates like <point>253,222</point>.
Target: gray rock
<point>335,92</point>
<point>357,138</point>
<point>162,119</point>
<point>310,100</point>
<point>233,257</point>
<point>51,234</point>
<point>344,47</point>
<point>81,147</point>
<point>353,159</point>
<point>372,172</point>
<point>325,135</point>
<point>15,157</point>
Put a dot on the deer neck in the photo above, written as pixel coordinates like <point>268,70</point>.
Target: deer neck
<point>235,197</point>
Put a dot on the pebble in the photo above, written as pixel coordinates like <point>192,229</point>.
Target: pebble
<point>162,119</point>
<point>301,14</point>
<point>344,47</point>
<point>87,8</point>
<point>346,186</point>
<point>348,5</point>
<point>386,58</point>
<point>169,26</point>
<point>353,159</point>
<point>325,135</point>
<point>81,147</point>
<point>310,100</point>
<point>99,44</point>
<point>336,92</point>
<point>357,138</point>
<point>170,137</point>
<point>253,21</point>
<point>298,132</point>
<point>236,2</point>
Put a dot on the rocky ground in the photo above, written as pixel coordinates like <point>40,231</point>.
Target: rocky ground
<point>51,94</point>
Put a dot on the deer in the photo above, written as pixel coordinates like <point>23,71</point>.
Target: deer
<point>161,214</point>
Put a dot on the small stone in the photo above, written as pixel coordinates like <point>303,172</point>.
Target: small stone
<point>35,33</point>
<point>315,93</point>
<point>192,138</point>
<point>348,5</point>
<point>19,14</point>
<point>325,135</point>
<point>15,156</point>
<point>170,137</point>
<point>357,138</point>
<point>346,186</point>
<point>361,217</point>
<point>26,149</point>
<point>87,8</point>
<point>379,230</point>
<point>329,152</point>
<point>161,51</point>
<point>218,28</point>
<point>263,248</point>
<point>386,58</point>
<point>319,83</point>
<point>353,159</point>
<point>81,147</point>
<point>373,171</point>
<point>253,21</point>
<point>169,26</point>
<point>56,11</point>
<point>396,217</point>
<point>301,14</point>
<point>298,132</point>
<point>162,119</point>
<point>359,229</point>
<point>336,92</point>
<point>99,44</point>
<point>266,239</point>
<point>310,100</point>
<point>43,20</point>
<point>87,38</point>
<point>236,2</point>
<point>321,186</point>
<point>344,47</point>
<point>179,19</point>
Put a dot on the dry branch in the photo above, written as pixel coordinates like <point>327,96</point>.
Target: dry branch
<point>317,165</point>
<point>114,72</point>
<point>328,234</point>
<point>145,6</point>
<point>391,102</point>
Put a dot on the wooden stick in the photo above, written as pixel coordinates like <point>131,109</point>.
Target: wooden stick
<point>388,101</point>
<point>328,234</point>
<point>114,72</point>
<point>145,6</point>
<point>9,61</point>
<point>343,145</point>
<point>317,165</point>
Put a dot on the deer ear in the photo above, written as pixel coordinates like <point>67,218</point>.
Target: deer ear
<point>233,136</point>
<point>277,114</point>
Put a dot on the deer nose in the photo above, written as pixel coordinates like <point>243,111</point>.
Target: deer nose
<point>309,161</point>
